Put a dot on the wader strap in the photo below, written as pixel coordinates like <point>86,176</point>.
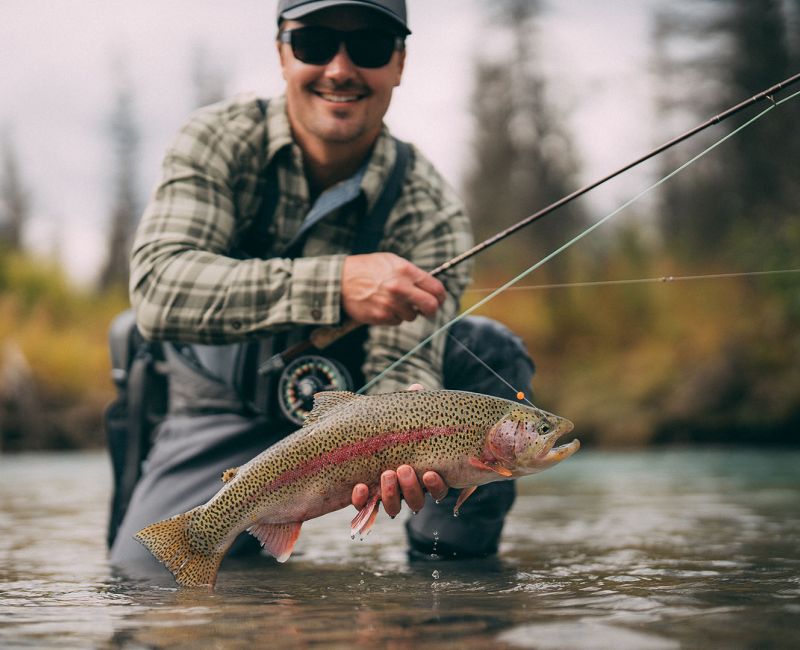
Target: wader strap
<point>371,228</point>
<point>329,201</point>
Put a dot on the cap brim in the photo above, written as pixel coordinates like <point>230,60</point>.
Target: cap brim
<point>318,5</point>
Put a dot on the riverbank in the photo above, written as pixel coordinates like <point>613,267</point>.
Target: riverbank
<point>711,361</point>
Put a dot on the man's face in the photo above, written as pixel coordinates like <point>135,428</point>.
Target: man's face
<point>338,102</point>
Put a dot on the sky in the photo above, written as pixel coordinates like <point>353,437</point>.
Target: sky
<point>59,63</point>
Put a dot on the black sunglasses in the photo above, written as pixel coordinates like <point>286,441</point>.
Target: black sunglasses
<point>367,48</point>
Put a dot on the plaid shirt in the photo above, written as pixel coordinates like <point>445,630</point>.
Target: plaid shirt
<point>186,285</point>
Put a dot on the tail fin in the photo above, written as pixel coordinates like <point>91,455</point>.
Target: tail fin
<point>169,542</point>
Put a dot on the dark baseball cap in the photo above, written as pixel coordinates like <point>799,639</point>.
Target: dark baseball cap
<point>296,9</point>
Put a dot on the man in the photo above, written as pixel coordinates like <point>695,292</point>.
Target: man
<point>317,161</point>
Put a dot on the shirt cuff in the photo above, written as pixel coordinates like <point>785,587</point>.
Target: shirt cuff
<point>316,290</point>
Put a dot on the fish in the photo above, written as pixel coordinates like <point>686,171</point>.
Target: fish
<point>470,439</point>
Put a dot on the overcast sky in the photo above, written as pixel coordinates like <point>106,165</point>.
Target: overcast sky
<point>57,71</point>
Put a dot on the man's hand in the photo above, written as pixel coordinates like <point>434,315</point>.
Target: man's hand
<point>402,483</point>
<point>385,289</point>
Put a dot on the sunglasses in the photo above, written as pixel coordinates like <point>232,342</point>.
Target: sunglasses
<point>367,48</point>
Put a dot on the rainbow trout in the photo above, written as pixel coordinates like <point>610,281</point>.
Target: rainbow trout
<point>468,438</point>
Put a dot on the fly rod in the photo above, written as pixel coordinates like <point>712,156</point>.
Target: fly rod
<point>322,337</point>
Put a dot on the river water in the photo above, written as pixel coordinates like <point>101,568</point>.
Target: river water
<point>651,550</point>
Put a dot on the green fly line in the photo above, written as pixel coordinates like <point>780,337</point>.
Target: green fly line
<point>571,242</point>
<point>664,279</point>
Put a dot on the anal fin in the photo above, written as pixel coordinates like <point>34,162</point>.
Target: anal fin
<point>277,539</point>
<point>363,521</point>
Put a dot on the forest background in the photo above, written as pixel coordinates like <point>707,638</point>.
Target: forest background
<point>712,360</point>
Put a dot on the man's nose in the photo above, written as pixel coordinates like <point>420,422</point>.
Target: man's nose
<point>340,67</point>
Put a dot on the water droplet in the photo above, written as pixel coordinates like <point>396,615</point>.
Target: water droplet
<point>435,574</point>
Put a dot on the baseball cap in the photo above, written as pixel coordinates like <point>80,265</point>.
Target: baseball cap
<point>394,9</point>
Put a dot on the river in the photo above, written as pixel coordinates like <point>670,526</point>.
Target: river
<point>644,550</point>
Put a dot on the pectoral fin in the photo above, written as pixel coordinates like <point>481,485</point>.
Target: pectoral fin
<point>362,522</point>
<point>277,539</point>
<point>491,466</point>
<point>466,493</point>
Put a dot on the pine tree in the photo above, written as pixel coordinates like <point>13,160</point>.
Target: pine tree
<point>125,211</point>
<point>720,53</point>
<point>524,158</point>
<point>14,199</point>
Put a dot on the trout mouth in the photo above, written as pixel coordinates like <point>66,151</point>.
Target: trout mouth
<point>549,454</point>
<point>557,454</point>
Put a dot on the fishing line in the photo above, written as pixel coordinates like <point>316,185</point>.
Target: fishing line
<point>666,279</point>
<point>520,394</point>
<point>570,243</point>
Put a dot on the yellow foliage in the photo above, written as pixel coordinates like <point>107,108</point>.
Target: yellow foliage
<point>61,330</point>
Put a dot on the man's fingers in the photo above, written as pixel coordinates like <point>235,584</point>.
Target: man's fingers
<point>360,496</point>
<point>410,487</point>
<point>385,289</point>
<point>432,286</point>
<point>435,485</point>
<point>390,493</point>
<point>423,302</point>
<point>406,311</point>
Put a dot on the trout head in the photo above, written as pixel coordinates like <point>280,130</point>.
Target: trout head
<point>523,441</point>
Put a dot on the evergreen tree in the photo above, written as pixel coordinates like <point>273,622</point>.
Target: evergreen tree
<point>719,53</point>
<point>14,199</point>
<point>125,211</point>
<point>523,155</point>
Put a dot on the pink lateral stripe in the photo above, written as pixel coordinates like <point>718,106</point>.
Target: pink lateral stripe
<point>360,449</point>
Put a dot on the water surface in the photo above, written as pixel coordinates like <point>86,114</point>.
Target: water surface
<point>659,549</point>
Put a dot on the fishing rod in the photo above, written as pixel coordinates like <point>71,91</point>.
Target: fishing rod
<point>290,363</point>
<point>491,241</point>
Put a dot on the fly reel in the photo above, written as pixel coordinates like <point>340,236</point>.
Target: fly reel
<point>304,377</point>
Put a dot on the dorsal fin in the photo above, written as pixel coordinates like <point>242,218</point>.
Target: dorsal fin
<point>328,401</point>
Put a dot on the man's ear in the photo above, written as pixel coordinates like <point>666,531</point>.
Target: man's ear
<point>281,58</point>
<point>401,63</point>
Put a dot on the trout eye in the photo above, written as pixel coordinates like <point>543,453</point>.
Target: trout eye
<point>544,427</point>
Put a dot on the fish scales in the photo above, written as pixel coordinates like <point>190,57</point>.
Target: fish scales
<point>349,439</point>
<point>311,453</point>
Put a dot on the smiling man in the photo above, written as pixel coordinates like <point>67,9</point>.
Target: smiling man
<point>276,217</point>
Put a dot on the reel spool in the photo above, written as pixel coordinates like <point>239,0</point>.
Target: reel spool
<point>305,376</point>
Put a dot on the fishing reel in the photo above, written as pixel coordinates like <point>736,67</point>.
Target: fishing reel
<point>304,377</point>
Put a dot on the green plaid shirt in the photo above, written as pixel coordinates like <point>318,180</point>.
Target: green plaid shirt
<point>186,286</point>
